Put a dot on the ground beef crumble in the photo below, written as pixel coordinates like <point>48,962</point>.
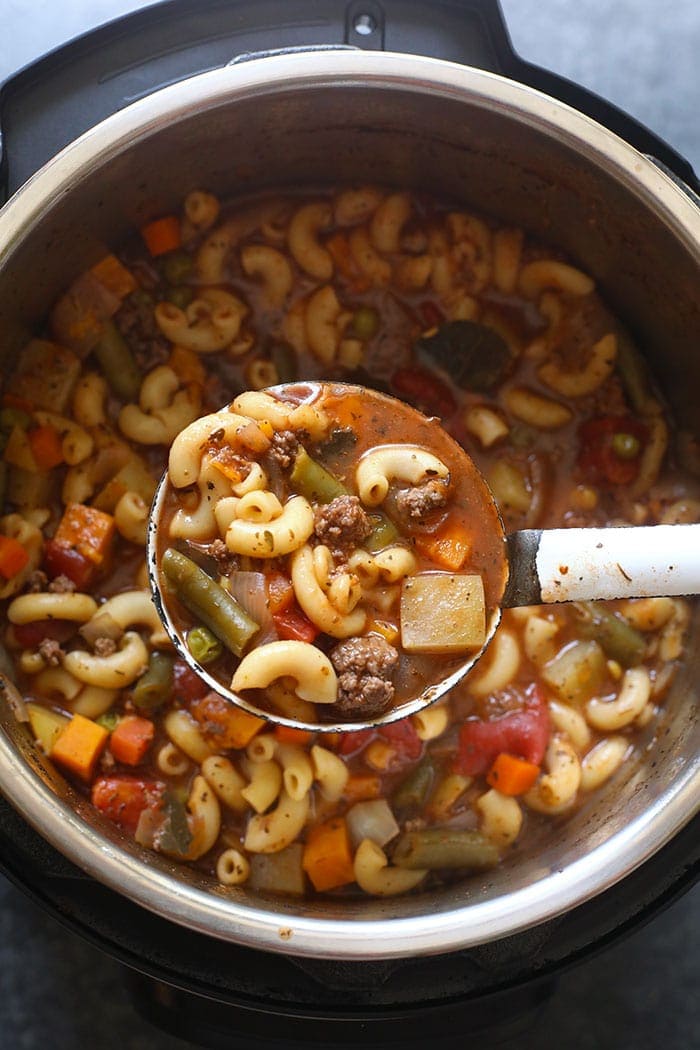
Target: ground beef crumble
<point>342,524</point>
<point>420,501</point>
<point>62,585</point>
<point>284,448</point>
<point>36,582</point>
<point>136,322</point>
<point>51,651</point>
<point>104,646</point>
<point>364,667</point>
<point>226,561</point>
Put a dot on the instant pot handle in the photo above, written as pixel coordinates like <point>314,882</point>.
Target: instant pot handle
<point>50,103</point>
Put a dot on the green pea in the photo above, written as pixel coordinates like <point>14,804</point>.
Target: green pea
<point>109,721</point>
<point>365,323</point>
<point>204,646</point>
<point>181,296</point>
<point>177,267</point>
<point>625,446</point>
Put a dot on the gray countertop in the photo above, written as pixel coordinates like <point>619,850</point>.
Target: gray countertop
<point>640,995</point>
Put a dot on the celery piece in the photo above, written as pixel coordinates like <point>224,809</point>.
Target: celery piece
<point>117,363</point>
<point>577,672</point>
<point>383,533</point>
<point>619,639</point>
<point>175,836</point>
<point>46,725</point>
<point>313,481</point>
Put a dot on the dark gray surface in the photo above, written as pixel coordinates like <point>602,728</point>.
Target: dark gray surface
<point>57,991</point>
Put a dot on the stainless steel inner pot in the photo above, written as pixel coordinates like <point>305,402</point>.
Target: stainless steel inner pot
<point>343,116</point>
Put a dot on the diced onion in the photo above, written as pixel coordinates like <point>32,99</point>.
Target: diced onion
<point>372,820</point>
<point>250,591</point>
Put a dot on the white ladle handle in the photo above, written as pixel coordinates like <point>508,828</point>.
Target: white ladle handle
<point>565,565</point>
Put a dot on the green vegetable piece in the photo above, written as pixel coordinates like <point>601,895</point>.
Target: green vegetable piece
<point>14,417</point>
<point>204,646</point>
<point>633,371</point>
<point>626,446</point>
<point>109,721</point>
<point>383,533</point>
<point>313,481</point>
<point>445,848</point>
<point>577,672</point>
<point>28,489</point>
<point>365,323</point>
<point>281,872</point>
<point>620,640</point>
<point>284,358</point>
<point>117,363</point>
<point>211,604</point>
<point>414,790</point>
<point>180,296</point>
<point>156,683</point>
<point>140,297</point>
<point>177,267</point>
<point>475,356</point>
<point>175,835</point>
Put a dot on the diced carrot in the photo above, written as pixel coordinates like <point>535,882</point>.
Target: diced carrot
<point>79,746</point>
<point>339,248</point>
<point>511,775</point>
<point>327,858</point>
<point>162,235</point>
<point>361,788</point>
<point>47,449</point>
<point>86,530</point>
<point>114,276</point>
<point>280,592</point>
<point>13,557</point>
<point>131,739</point>
<point>290,735</point>
<point>232,466</point>
<point>223,724</point>
<point>187,365</point>
<point>293,625</point>
<point>448,547</point>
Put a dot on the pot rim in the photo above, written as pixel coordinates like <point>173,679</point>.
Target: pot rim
<point>280,930</point>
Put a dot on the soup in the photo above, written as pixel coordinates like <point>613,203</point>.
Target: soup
<point>498,337</point>
<point>367,526</point>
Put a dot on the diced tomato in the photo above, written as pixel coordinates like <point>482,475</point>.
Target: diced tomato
<point>29,635</point>
<point>351,743</point>
<point>425,391</point>
<point>123,799</point>
<point>186,684</point>
<point>522,733</point>
<point>293,625</point>
<point>13,557</point>
<point>60,560</point>
<point>403,738</point>
<point>598,461</point>
<point>431,315</point>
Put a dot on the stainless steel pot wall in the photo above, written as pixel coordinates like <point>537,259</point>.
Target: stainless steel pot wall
<point>363,116</point>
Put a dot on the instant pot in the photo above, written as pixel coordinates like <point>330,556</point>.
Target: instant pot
<point>336,106</point>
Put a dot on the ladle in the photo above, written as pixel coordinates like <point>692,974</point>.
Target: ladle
<point>540,566</point>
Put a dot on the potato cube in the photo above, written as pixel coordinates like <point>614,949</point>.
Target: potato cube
<point>442,612</point>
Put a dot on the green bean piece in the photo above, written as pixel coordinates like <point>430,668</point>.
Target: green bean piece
<point>284,358</point>
<point>313,481</point>
<point>365,323</point>
<point>204,645</point>
<point>620,640</point>
<point>175,835</point>
<point>181,296</point>
<point>177,267</point>
<point>211,604</point>
<point>117,363</point>
<point>626,446</point>
<point>445,848</point>
<point>383,533</point>
<point>109,721</point>
<point>14,417</point>
<point>632,369</point>
<point>156,683</point>
<point>414,790</point>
